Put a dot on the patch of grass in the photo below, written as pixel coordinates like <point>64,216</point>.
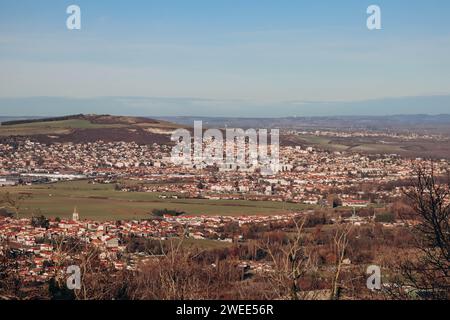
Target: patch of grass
<point>205,244</point>
<point>352,145</point>
<point>103,202</point>
<point>323,142</point>
<point>51,127</point>
<point>379,148</point>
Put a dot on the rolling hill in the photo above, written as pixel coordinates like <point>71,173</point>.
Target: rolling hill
<point>89,128</point>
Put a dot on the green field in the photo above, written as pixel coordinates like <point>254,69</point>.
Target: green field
<point>67,125</point>
<point>351,145</point>
<point>102,202</point>
<point>379,148</point>
<point>323,142</point>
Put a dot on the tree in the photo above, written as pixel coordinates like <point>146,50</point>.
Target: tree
<point>180,274</point>
<point>428,274</point>
<point>291,262</point>
<point>40,222</point>
<point>163,212</point>
<point>334,200</point>
<point>9,201</point>
<point>340,243</point>
<point>6,213</point>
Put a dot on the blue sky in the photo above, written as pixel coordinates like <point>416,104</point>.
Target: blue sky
<point>225,57</point>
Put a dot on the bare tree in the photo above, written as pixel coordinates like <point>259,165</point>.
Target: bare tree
<point>9,201</point>
<point>340,243</point>
<point>173,275</point>
<point>428,274</point>
<point>100,281</point>
<point>290,263</point>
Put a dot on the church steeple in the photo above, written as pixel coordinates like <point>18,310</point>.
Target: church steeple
<point>75,216</point>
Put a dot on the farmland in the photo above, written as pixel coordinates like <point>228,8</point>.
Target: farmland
<point>51,127</point>
<point>371,145</point>
<point>103,202</point>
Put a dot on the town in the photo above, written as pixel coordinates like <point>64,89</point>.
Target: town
<point>366,184</point>
<point>304,175</point>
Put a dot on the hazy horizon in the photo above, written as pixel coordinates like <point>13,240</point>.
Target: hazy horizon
<point>261,58</point>
<point>188,107</point>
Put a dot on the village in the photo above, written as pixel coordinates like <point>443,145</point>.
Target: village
<point>38,246</point>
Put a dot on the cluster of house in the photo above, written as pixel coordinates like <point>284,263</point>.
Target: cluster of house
<point>39,254</point>
<point>80,158</point>
<point>371,134</point>
<point>310,177</point>
<point>306,175</point>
